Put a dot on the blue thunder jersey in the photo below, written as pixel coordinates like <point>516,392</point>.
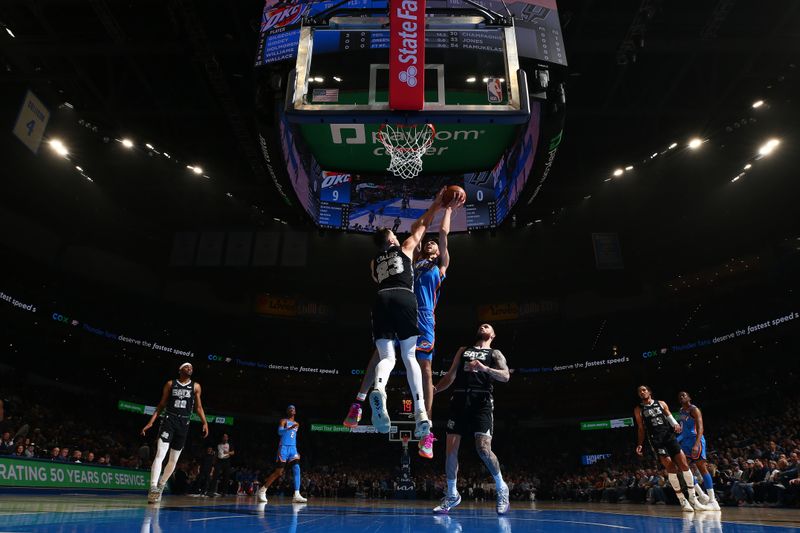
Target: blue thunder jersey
<point>427,283</point>
<point>288,436</point>
<point>688,429</point>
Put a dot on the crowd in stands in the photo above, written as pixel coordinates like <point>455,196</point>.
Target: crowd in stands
<point>752,457</point>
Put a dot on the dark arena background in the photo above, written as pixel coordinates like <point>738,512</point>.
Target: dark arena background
<point>200,181</point>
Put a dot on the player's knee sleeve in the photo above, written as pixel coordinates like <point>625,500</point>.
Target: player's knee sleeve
<point>385,348</point>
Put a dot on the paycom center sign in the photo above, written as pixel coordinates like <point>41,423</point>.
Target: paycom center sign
<point>54,475</point>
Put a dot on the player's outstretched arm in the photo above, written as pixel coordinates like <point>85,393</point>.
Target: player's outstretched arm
<point>421,225</point>
<point>444,251</point>
<point>160,407</point>
<point>198,405</point>
<point>448,378</point>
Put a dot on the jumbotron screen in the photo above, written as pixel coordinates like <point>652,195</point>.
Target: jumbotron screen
<point>364,203</point>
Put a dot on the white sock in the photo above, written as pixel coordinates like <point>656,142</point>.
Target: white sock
<point>155,469</point>
<point>688,478</point>
<point>676,486</point>
<point>710,493</point>
<point>297,493</point>
<point>263,490</point>
<point>408,351</point>
<point>451,487</point>
<point>498,480</point>
<point>361,396</point>
<point>385,366</point>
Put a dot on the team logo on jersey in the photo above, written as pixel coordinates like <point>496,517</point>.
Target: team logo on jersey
<point>281,17</point>
<point>451,424</point>
<point>425,345</point>
<point>165,435</point>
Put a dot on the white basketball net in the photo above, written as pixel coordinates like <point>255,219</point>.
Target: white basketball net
<point>405,146</point>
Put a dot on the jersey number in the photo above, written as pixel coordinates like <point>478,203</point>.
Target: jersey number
<point>180,404</point>
<point>388,268</point>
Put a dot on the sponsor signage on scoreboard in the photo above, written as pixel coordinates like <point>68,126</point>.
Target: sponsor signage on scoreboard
<point>407,55</point>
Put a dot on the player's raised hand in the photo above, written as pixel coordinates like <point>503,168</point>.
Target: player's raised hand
<point>458,201</point>
<point>437,200</point>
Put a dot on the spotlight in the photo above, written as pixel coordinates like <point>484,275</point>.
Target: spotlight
<point>757,104</point>
<point>695,143</point>
<point>629,167</point>
<point>768,147</point>
<point>618,172</point>
<point>197,170</point>
<point>166,155</point>
<point>337,78</point>
<point>673,145</point>
<point>747,166</point>
<point>150,146</point>
<point>653,155</point>
<point>471,79</point>
<point>587,196</point>
<point>11,33</point>
<point>79,169</point>
<point>59,148</point>
<point>127,143</point>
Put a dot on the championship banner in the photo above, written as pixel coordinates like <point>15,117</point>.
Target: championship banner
<point>407,55</point>
<point>51,474</point>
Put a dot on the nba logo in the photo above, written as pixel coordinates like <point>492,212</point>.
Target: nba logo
<point>494,90</point>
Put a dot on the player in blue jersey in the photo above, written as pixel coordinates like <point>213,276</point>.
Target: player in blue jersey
<point>431,262</point>
<point>287,453</point>
<point>693,443</point>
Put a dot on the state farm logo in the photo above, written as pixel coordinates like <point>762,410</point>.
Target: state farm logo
<point>282,16</point>
<point>409,76</point>
<point>408,16</point>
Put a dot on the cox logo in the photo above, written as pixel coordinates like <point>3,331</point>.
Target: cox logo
<point>60,318</point>
<point>409,76</point>
<point>212,357</point>
<point>357,372</point>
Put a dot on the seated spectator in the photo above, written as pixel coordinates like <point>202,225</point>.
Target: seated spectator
<point>76,456</point>
<point>6,444</point>
<point>63,457</point>
<point>19,452</point>
<point>55,453</point>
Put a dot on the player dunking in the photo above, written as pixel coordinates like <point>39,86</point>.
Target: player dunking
<point>394,316</point>
<point>654,420</point>
<point>179,398</point>
<point>431,263</point>
<point>287,453</point>
<point>472,412</point>
<point>693,443</point>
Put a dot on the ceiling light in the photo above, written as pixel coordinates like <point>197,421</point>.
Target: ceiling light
<point>757,104</point>
<point>673,145</point>
<point>471,79</point>
<point>166,155</point>
<point>337,78</point>
<point>79,169</point>
<point>607,179</point>
<point>127,143</point>
<point>695,143</point>
<point>485,80</point>
<point>66,105</point>
<point>629,167</point>
<point>653,155</point>
<point>768,147</point>
<point>747,166</point>
<point>11,33</point>
<point>587,196</point>
<point>197,170</point>
<point>59,148</point>
<point>618,172</point>
<point>150,146</point>
<point>538,220</point>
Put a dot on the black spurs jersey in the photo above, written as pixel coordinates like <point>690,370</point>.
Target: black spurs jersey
<point>655,420</point>
<point>393,269</point>
<point>469,380</point>
<point>181,399</point>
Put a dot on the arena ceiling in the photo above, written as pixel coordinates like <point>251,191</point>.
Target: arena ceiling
<point>644,74</point>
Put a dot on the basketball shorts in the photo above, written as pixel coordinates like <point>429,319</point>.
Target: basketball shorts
<point>174,429</point>
<point>287,453</point>
<point>687,445</point>
<point>471,414</point>
<point>394,314</point>
<point>665,445</point>
<point>427,338</point>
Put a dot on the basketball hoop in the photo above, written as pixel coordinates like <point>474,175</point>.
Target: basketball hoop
<point>405,146</point>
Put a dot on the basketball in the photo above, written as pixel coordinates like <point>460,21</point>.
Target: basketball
<point>451,193</point>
